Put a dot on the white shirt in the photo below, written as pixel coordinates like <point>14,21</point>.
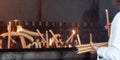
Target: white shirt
<point>112,52</point>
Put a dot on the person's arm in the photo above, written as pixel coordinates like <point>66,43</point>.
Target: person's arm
<point>107,25</point>
<point>94,47</point>
<point>112,52</point>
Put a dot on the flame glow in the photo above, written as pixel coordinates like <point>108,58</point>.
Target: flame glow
<point>9,22</point>
<point>51,40</point>
<point>19,28</point>
<point>73,31</point>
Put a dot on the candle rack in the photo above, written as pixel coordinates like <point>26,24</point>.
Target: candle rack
<point>45,35</point>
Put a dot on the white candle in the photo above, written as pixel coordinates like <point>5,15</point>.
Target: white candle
<point>39,43</point>
<point>107,16</point>
<point>78,38</point>
<point>9,33</point>
<point>0,44</point>
<point>47,39</point>
<point>23,43</point>
<point>107,20</point>
<point>90,36</point>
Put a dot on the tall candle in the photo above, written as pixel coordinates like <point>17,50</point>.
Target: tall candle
<point>107,16</point>
<point>107,20</point>
<point>47,39</point>
<point>9,35</point>
<point>90,36</point>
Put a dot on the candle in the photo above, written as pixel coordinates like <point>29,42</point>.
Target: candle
<point>107,16</point>
<point>23,43</point>
<point>40,35</point>
<point>22,30</point>
<point>19,28</point>
<point>47,39</point>
<point>39,43</point>
<point>71,40</point>
<point>90,36</point>
<point>9,35</point>
<point>0,44</point>
<point>78,37</point>
<point>50,42</point>
<point>71,36</point>
<point>53,35</point>
<point>61,42</point>
<point>43,43</point>
<point>29,45</point>
<point>76,42</point>
<point>87,48</point>
<point>35,43</point>
<point>107,21</point>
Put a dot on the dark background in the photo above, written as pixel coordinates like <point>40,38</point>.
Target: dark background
<point>68,10</point>
<point>56,10</point>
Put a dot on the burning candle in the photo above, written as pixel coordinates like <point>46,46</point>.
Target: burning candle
<point>69,46</point>
<point>71,36</point>
<point>19,28</point>
<point>50,42</point>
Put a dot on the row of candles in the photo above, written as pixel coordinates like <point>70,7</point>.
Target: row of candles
<point>43,42</point>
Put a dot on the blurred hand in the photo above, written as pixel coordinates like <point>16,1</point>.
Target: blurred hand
<point>107,26</point>
<point>94,48</point>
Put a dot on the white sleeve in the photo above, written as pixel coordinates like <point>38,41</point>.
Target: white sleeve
<point>112,52</point>
<point>108,53</point>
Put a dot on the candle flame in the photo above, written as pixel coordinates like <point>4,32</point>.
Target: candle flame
<point>69,46</point>
<point>9,22</point>
<point>50,42</point>
<point>106,10</point>
<point>73,31</point>
<point>19,28</point>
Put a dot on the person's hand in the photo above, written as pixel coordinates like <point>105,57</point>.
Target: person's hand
<point>94,48</point>
<point>107,26</point>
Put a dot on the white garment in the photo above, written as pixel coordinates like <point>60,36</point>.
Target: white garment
<point>112,52</point>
